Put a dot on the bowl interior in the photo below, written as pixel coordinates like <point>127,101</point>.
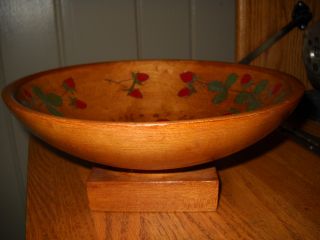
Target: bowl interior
<point>140,91</point>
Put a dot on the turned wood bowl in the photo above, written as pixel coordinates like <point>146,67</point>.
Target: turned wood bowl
<point>153,115</point>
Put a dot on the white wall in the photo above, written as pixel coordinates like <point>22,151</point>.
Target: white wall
<point>38,35</point>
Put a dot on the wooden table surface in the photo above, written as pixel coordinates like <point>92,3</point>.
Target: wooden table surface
<point>268,191</point>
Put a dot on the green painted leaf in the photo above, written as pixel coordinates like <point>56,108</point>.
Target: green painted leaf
<point>54,99</point>
<point>242,97</point>
<point>220,97</point>
<point>260,86</point>
<point>231,79</point>
<point>54,111</point>
<point>38,92</point>
<point>134,78</point>
<point>192,88</point>
<point>216,86</point>
<point>254,104</point>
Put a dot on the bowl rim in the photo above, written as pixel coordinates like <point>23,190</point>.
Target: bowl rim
<point>9,91</point>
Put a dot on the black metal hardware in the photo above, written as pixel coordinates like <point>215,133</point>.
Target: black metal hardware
<point>301,16</point>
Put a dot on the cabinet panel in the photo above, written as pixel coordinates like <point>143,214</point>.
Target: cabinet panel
<point>98,30</point>
<point>213,29</point>
<point>164,29</point>
<point>259,19</point>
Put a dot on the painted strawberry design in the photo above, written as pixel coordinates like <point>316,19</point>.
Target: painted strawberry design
<point>246,78</point>
<point>69,85</point>
<point>141,77</point>
<point>77,103</point>
<point>136,93</point>
<point>80,104</point>
<point>187,76</point>
<point>27,98</point>
<point>137,78</point>
<point>27,93</point>
<point>276,88</point>
<point>184,92</point>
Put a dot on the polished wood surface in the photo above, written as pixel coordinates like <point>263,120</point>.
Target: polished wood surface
<point>268,191</point>
<point>193,190</point>
<point>259,19</point>
<point>153,115</point>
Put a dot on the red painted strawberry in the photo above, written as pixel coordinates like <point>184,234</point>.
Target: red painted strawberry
<point>184,92</point>
<point>187,76</point>
<point>246,78</point>
<point>27,93</point>
<point>135,93</point>
<point>69,85</point>
<point>78,103</point>
<point>276,88</point>
<point>141,77</point>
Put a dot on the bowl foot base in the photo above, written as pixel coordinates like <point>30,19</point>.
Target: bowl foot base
<point>184,191</point>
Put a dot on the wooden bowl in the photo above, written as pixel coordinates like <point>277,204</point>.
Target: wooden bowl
<point>153,114</point>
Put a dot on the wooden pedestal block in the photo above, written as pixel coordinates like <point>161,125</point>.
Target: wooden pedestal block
<point>117,191</point>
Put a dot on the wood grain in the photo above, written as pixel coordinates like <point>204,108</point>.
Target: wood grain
<point>179,191</point>
<point>126,131</point>
<point>56,197</point>
<point>312,127</point>
<point>259,19</point>
<point>269,191</point>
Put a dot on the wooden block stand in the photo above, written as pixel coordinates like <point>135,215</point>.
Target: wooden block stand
<point>116,191</point>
